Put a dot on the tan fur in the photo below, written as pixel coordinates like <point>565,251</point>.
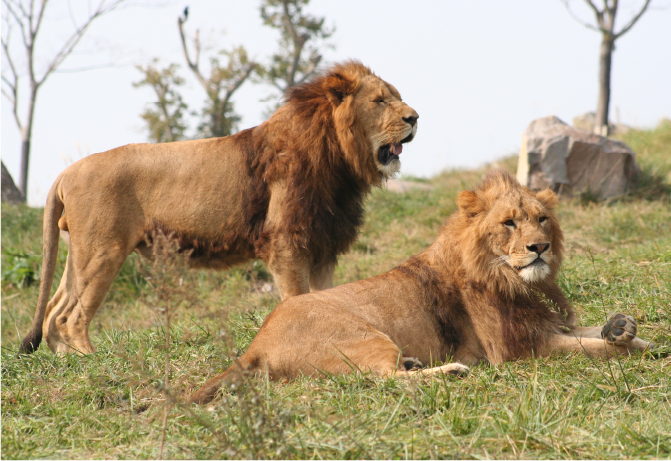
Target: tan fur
<point>289,191</point>
<point>468,297</point>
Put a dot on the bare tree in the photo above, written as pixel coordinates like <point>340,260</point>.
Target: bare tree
<point>27,16</point>
<point>218,115</point>
<point>298,57</point>
<point>605,24</point>
<point>165,119</point>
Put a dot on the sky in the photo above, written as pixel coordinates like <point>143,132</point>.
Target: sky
<point>476,72</point>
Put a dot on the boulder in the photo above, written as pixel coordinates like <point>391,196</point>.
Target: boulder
<point>401,187</point>
<point>585,122</point>
<point>10,193</point>
<point>572,161</point>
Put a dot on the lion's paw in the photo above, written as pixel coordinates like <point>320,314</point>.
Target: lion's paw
<point>411,362</point>
<point>619,329</point>
<point>455,369</point>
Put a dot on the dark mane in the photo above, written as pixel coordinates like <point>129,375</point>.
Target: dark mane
<point>325,165</point>
<point>527,321</point>
<point>443,300</point>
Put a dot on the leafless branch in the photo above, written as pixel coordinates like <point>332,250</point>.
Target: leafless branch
<point>72,14</point>
<point>11,7</point>
<point>84,69</point>
<point>575,16</point>
<point>193,65</point>
<point>76,36</point>
<point>13,86</point>
<point>13,101</point>
<point>631,23</point>
<point>598,13</point>
<point>38,20</point>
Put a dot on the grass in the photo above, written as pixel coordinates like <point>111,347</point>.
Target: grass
<point>112,404</point>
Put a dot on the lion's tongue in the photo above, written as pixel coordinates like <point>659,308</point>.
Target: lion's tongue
<point>396,149</point>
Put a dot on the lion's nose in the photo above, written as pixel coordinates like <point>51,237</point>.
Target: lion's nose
<point>411,120</point>
<point>538,248</point>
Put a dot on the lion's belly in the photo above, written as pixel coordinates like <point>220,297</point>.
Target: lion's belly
<point>395,310</point>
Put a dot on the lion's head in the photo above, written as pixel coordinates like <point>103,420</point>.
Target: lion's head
<point>509,233</point>
<point>365,114</point>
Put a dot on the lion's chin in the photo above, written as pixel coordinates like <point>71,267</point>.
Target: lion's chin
<point>534,272</point>
<point>390,169</point>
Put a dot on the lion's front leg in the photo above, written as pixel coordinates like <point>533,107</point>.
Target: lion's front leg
<point>620,329</point>
<point>291,278</point>
<point>321,276</point>
<point>617,334</point>
<point>290,268</point>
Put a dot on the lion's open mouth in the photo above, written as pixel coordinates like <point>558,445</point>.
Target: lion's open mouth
<point>389,152</point>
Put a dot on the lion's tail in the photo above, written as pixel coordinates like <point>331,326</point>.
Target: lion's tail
<point>234,374</point>
<point>52,213</point>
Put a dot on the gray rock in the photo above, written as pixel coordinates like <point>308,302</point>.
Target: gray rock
<point>401,187</point>
<point>585,122</point>
<point>10,193</point>
<point>572,161</point>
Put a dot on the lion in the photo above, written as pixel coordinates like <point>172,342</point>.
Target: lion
<point>484,291</point>
<point>289,192</point>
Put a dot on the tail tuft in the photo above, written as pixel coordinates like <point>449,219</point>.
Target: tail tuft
<point>31,343</point>
<point>207,393</point>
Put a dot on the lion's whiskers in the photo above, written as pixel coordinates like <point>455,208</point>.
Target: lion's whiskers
<point>501,261</point>
<point>379,139</point>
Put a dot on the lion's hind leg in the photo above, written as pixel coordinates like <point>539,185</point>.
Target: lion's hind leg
<point>454,369</point>
<point>380,355</point>
<point>86,279</point>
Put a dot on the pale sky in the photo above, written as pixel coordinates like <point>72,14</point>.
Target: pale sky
<point>476,72</point>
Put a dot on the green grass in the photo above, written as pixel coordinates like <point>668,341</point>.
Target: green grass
<point>110,404</point>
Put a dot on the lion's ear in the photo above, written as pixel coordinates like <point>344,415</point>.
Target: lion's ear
<point>337,88</point>
<point>469,203</point>
<point>547,198</point>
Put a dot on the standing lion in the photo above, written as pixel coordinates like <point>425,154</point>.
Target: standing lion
<point>484,291</point>
<point>289,191</point>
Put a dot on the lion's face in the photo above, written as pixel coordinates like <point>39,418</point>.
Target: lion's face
<point>387,121</point>
<point>520,236</point>
<point>517,227</point>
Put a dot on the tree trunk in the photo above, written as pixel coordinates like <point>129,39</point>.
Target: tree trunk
<point>605,62</point>
<point>25,145</point>
<point>25,157</point>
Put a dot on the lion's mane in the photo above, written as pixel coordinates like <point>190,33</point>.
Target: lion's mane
<point>321,158</point>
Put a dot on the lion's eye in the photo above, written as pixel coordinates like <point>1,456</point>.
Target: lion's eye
<point>542,219</point>
<point>509,223</point>
<point>380,100</point>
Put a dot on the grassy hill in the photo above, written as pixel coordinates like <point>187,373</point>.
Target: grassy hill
<point>111,404</point>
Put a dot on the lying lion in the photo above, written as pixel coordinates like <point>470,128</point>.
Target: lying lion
<point>484,291</point>
<point>289,191</point>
